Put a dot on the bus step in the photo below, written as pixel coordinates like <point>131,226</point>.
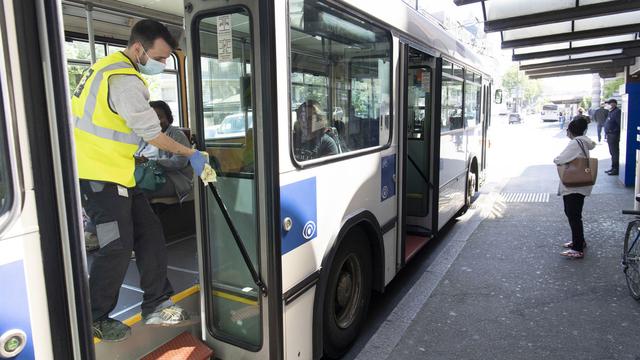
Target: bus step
<point>183,347</point>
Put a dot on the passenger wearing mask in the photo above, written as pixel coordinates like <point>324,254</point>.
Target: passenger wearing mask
<point>311,134</point>
<point>612,134</point>
<point>600,116</point>
<point>175,167</point>
<point>573,197</point>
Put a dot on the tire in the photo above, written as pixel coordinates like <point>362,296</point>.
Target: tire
<point>469,193</point>
<point>348,294</point>
<point>631,258</point>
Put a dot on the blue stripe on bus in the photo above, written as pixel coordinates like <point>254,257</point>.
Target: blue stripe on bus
<point>298,202</point>
<point>388,177</point>
<point>14,304</point>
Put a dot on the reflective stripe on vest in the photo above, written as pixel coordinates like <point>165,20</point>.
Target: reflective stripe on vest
<point>85,123</point>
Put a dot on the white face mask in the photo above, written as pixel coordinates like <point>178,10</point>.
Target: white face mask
<point>152,67</point>
<point>608,107</point>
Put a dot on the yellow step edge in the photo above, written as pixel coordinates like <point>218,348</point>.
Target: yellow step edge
<point>183,295</point>
<point>175,298</point>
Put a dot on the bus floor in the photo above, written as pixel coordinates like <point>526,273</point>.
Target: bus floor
<point>182,273</point>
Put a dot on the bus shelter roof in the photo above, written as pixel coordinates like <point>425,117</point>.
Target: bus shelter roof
<point>550,38</point>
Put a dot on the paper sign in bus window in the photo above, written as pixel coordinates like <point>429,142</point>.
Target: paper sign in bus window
<point>225,42</point>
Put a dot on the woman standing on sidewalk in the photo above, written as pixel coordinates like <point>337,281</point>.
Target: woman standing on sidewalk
<point>573,197</point>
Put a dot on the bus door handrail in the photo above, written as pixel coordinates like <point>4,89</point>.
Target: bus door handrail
<point>243,250</point>
<point>422,175</point>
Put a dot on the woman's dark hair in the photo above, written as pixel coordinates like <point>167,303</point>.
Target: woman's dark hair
<point>147,31</point>
<point>578,126</point>
<point>159,104</point>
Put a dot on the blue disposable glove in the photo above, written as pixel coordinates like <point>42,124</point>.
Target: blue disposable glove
<point>197,161</point>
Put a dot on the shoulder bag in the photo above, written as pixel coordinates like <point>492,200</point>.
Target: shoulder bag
<point>579,171</point>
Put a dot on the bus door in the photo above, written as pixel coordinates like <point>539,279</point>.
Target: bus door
<point>232,115</point>
<point>486,121</point>
<point>418,114</point>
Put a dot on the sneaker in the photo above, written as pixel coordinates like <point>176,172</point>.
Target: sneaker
<point>573,254</point>
<point>91,241</point>
<point>168,316</point>
<point>110,330</point>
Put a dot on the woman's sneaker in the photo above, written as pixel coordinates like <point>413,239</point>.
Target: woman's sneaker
<point>573,254</point>
<point>167,316</point>
<point>110,330</point>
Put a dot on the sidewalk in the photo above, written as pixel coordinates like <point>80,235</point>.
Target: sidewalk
<point>510,295</point>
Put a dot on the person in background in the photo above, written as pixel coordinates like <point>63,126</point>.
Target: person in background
<point>176,167</point>
<point>561,120</point>
<point>573,197</point>
<point>111,113</point>
<point>581,114</point>
<point>600,116</point>
<point>612,134</point>
<point>311,138</point>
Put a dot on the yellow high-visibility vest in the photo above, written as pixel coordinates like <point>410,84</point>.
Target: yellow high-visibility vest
<point>105,145</point>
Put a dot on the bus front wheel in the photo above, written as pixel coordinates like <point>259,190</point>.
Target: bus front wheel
<point>348,294</point>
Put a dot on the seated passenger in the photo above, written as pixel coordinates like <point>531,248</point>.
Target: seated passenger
<point>312,137</point>
<point>175,168</point>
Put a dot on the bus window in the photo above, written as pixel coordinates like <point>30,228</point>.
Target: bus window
<point>166,87</point>
<point>224,92</point>
<point>78,54</point>
<point>224,44</point>
<point>452,135</point>
<point>451,112</point>
<point>472,97</point>
<point>340,81</point>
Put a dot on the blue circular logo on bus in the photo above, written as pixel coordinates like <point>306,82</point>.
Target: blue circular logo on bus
<point>309,230</point>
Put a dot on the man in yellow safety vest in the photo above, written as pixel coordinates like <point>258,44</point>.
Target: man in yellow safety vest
<point>111,113</point>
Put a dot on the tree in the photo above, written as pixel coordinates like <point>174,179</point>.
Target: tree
<point>517,85</point>
<point>611,87</point>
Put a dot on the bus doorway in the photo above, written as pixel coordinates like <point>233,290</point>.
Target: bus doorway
<point>418,159</point>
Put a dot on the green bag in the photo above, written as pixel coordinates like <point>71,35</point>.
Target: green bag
<point>149,176</point>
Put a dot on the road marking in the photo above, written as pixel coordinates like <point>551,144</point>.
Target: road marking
<point>525,197</point>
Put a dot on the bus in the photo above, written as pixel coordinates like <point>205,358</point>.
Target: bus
<point>280,261</point>
<point>550,112</point>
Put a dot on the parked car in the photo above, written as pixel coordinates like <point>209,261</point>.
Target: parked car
<point>231,126</point>
<point>515,118</point>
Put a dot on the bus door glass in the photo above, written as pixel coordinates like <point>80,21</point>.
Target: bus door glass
<point>419,112</point>
<point>223,76</point>
<point>452,143</point>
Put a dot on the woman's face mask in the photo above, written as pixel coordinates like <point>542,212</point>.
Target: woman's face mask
<point>608,107</point>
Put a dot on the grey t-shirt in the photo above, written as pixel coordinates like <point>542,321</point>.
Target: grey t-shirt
<point>129,97</point>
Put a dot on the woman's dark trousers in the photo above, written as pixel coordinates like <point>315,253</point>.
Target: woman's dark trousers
<point>573,204</point>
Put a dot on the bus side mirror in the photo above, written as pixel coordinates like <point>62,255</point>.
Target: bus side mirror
<point>498,97</point>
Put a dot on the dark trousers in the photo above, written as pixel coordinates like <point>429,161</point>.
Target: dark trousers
<point>600,127</point>
<point>614,149</point>
<point>124,222</point>
<point>573,204</point>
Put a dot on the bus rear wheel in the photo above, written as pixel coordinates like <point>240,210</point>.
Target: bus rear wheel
<point>348,294</point>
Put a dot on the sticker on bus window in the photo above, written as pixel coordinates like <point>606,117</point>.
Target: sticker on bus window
<point>298,210</point>
<point>225,42</point>
<point>388,177</point>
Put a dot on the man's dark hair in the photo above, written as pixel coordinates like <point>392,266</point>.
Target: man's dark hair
<point>578,126</point>
<point>159,104</point>
<point>147,31</point>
